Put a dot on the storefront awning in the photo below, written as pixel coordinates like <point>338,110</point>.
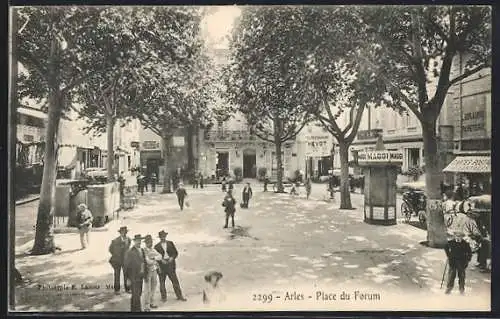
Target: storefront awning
<point>470,164</point>
<point>67,157</point>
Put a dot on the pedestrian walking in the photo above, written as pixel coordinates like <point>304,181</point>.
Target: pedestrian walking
<point>145,182</point>
<point>213,294</point>
<point>154,181</point>
<point>331,186</point>
<point>151,275</point>
<point>201,180</point>
<point>308,187</point>
<point>195,180</point>
<point>293,190</point>
<point>459,255</point>
<point>181,195</point>
<point>266,181</point>
<point>223,183</point>
<point>246,195</point>
<point>121,181</point>
<point>460,193</point>
<point>484,251</point>
<point>85,220</point>
<point>118,248</point>
<point>230,184</point>
<point>140,183</point>
<point>229,205</point>
<point>135,268</point>
<point>168,252</point>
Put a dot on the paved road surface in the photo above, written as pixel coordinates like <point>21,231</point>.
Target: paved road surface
<point>281,244</point>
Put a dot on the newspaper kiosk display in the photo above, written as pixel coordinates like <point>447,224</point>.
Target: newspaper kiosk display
<point>380,169</point>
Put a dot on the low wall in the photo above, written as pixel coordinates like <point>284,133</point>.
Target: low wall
<point>103,201</point>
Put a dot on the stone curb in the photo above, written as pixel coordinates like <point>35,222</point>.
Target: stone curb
<point>27,200</point>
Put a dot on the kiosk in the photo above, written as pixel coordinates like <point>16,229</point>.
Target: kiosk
<point>380,168</point>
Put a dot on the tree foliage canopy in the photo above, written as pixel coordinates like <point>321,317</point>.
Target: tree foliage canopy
<point>265,78</point>
<point>416,47</point>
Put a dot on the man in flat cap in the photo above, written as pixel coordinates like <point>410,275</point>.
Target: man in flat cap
<point>135,270</point>
<point>118,248</point>
<point>459,255</point>
<point>167,266</point>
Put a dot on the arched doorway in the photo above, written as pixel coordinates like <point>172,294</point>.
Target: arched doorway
<point>249,163</point>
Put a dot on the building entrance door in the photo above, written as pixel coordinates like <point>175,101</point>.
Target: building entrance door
<point>249,163</point>
<point>222,166</point>
<point>153,166</point>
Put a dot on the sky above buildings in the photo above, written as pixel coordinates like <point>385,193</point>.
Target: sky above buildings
<point>218,25</point>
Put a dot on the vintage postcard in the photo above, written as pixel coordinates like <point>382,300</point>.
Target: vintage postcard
<point>250,158</point>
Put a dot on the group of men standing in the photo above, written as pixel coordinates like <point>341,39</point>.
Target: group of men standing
<point>144,268</point>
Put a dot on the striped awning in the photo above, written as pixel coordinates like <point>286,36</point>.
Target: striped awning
<point>470,164</point>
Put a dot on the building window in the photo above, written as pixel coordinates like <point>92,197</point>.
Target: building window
<point>94,160</point>
<point>28,138</point>
<point>413,159</point>
<point>476,145</point>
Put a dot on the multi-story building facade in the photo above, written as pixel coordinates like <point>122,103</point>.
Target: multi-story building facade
<point>30,133</point>
<point>464,125</point>
<point>469,104</point>
<point>77,150</point>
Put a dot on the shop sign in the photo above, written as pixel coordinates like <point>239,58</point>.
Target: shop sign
<point>369,134</point>
<point>474,117</point>
<point>134,144</point>
<point>151,145</point>
<point>318,145</point>
<point>380,157</point>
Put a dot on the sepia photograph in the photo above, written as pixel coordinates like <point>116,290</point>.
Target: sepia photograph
<point>249,158</point>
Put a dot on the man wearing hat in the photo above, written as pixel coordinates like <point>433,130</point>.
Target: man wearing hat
<point>151,278</point>
<point>169,253</point>
<point>135,269</point>
<point>118,248</point>
<point>459,255</point>
<point>85,220</point>
<point>181,195</point>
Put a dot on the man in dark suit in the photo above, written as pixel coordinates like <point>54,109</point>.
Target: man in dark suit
<point>459,255</point>
<point>247,195</point>
<point>134,269</point>
<point>167,266</point>
<point>118,248</point>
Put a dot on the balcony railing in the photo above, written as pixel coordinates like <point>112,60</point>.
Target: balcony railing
<point>229,135</point>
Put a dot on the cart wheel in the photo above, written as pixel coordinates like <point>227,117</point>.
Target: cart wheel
<point>422,218</point>
<point>406,212</point>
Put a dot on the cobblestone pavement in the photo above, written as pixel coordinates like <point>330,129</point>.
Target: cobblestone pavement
<point>283,248</point>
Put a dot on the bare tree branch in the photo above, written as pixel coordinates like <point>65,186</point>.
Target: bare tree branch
<point>466,74</point>
<point>351,120</point>
<point>262,137</point>
<point>357,121</point>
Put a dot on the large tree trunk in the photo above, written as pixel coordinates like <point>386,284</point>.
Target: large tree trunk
<point>345,190</point>
<point>44,235</point>
<point>166,175</point>
<point>279,164</point>
<point>436,229</point>
<point>190,150</point>
<point>110,125</point>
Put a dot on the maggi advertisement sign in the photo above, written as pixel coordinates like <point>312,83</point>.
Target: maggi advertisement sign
<point>380,157</point>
